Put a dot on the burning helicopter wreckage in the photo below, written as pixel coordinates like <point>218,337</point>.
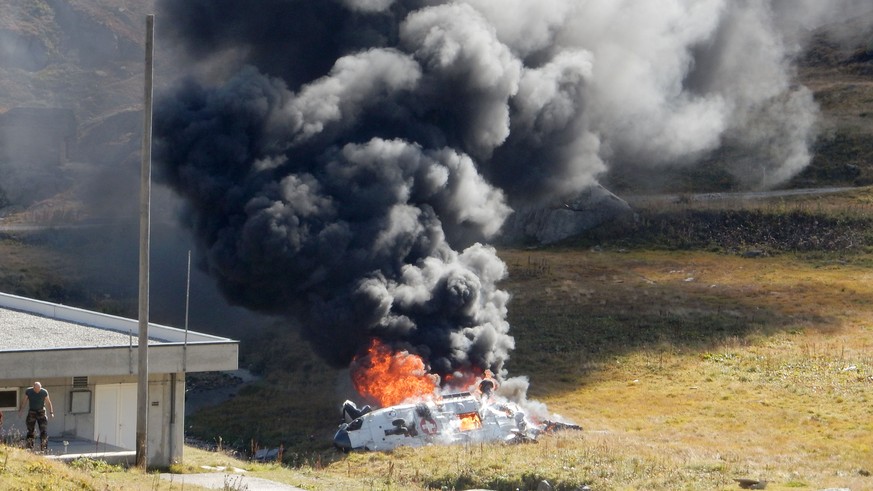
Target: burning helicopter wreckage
<point>425,418</point>
<point>453,418</point>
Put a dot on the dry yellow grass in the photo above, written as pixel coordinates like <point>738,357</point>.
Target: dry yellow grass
<point>23,471</point>
<point>782,396</point>
<point>685,369</point>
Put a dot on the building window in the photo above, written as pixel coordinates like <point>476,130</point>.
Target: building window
<point>8,398</point>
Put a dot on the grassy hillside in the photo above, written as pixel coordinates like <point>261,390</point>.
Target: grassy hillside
<point>688,362</point>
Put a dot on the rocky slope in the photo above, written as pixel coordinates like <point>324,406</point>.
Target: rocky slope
<point>79,61</point>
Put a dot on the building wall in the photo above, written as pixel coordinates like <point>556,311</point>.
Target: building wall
<point>166,422</point>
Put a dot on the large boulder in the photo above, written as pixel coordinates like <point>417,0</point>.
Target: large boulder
<point>546,225</point>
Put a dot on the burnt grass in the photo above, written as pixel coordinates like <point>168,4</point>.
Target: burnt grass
<point>746,232</point>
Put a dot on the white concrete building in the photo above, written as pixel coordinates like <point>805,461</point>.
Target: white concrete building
<point>88,362</point>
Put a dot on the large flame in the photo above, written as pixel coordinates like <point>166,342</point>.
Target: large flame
<point>389,377</point>
<point>469,421</point>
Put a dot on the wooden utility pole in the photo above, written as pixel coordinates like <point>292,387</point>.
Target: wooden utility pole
<point>142,394</point>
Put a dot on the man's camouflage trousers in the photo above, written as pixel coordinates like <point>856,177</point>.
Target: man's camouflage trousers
<point>34,417</point>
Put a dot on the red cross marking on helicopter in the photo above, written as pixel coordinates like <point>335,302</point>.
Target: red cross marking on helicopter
<point>428,426</point>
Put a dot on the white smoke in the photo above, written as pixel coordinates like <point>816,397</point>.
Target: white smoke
<point>669,81</point>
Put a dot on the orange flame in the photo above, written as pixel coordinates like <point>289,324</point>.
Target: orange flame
<point>460,380</point>
<point>469,421</point>
<point>391,378</point>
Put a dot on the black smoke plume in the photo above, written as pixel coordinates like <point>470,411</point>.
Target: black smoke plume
<point>344,161</point>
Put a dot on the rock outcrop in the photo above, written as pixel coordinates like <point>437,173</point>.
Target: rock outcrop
<point>550,224</point>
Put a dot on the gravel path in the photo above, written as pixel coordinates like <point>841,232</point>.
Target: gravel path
<point>222,480</point>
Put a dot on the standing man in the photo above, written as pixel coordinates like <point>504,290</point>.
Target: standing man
<point>487,385</point>
<point>37,398</point>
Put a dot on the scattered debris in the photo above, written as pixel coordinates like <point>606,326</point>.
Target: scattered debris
<point>751,483</point>
<point>267,454</point>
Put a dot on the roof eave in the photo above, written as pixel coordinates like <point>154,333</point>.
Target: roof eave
<point>119,360</point>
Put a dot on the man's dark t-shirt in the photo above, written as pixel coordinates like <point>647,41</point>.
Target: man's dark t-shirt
<point>36,399</point>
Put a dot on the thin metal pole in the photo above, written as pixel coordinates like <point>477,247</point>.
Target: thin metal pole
<point>142,394</point>
<point>187,303</point>
<point>173,450</point>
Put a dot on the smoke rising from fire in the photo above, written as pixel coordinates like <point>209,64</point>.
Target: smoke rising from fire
<point>344,161</point>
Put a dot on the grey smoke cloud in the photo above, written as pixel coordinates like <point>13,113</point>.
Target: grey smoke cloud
<point>368,5</point>
<point>347,163</point>
<point>457,48</point>
<point>354,82</point>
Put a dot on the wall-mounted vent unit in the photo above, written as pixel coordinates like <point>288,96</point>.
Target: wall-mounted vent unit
<point>80,382</point>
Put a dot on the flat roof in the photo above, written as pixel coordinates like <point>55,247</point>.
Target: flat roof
<point>25,331</point>
<point>98,344</point>
<point>28,324</point>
